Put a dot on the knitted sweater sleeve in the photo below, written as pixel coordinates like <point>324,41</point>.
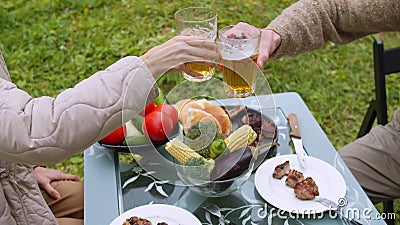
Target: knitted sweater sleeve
<point>309,24</point>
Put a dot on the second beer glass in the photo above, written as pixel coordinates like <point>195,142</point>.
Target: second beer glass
<point>239,52</point>
<point>197,21</point>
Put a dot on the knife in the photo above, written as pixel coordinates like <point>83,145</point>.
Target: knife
<point>296,138</point>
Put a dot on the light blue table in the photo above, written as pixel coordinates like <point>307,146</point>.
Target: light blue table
<point>105,199</point>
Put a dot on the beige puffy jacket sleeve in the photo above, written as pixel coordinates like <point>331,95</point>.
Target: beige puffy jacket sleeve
<point>309,24</point>
<point>47,130</point>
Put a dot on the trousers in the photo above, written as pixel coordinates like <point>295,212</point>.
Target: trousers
<point>68,209</point>
<point>374,160</point>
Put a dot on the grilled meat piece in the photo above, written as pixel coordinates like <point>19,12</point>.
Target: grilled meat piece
<point>293,178</point>
<point>162,223</point>
<point>281,170</point>
<point>236,111</point>
<point>134,220</point>
<point>268,129</point>
<point>306,190</point>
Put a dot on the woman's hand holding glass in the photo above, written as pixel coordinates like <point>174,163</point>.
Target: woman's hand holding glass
<point>172,55</point>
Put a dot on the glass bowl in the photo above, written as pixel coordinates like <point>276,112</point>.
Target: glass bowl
<point>219,177</point>
<point>216,188</point>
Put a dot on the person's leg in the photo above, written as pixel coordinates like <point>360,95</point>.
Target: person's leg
<point>69,207</point>
<point>69,221</point>
<point>375,160</point>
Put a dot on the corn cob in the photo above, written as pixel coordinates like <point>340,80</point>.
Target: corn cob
<point>181,152</point>
<point>241,137</point>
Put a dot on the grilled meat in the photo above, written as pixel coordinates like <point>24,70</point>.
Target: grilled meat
<point>293,178</point>
<point>306,190</point>
<point>134,220</point>
<point>268,129</point>
<point>281,170</point>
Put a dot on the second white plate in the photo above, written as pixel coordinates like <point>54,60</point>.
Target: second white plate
<point>330,183</point>
<point>157,213</point>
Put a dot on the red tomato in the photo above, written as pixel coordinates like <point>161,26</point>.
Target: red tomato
<point>157,126</point>
<point>149,108</point>
<point>169,110</point>
<point>115,137</point>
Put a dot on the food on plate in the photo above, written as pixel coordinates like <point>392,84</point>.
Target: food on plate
<point>200,137</point>
<point>135,220</point>
<point>263,128</point>
<point>157,126</point>
<point>235,111</point>
<point>115,137</point>
<point>193,111</point>
<point>293,178</point>
<point>306,190</point>
<point>281,170</point>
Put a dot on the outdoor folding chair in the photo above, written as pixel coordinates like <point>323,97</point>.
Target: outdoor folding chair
<point>386,61</point>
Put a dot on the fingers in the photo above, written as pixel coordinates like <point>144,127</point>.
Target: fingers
<point>270,41</point>
<point>70,177</point>
<point>199,42</point>
<point>51,191</point>
<point>243,27</point>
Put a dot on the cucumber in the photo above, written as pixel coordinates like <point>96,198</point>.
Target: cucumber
<point>136,140</point>
<point>137,122</point>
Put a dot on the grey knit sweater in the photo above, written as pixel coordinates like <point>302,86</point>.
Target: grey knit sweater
<point>309,24</point>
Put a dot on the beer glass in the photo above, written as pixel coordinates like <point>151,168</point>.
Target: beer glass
<point>239,53</point>
<point>197,21</point>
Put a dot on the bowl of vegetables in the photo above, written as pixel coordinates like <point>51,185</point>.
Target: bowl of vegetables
<point>213,164</point>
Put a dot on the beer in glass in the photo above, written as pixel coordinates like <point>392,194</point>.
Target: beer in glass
<point>239,52</point>
<point>197,21</point>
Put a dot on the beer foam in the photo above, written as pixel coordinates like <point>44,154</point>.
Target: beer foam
<point>229,52</point>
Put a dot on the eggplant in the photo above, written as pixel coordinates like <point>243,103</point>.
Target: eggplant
<point>227,166</point>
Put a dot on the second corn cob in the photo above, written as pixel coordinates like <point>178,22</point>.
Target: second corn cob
<point>181,152</point>
<point>242,137</point>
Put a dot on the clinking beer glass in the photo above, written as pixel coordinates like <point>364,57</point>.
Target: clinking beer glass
<point>197,21</point>
<point>239,52</point>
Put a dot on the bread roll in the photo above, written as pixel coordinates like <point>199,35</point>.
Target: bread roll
<point>189,113</point>
<point>193,115</point>
<point>218,113</point>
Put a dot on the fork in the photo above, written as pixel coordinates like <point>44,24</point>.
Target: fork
<point>214,209</point>
<point>334,206</point>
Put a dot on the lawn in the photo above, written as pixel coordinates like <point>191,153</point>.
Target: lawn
<point>50,45</point>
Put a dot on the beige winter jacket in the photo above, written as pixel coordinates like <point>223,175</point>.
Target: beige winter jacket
<point>47,130</point>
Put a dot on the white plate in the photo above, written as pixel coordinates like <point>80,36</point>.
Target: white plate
<point>331,184</point>
<point>156,213</point>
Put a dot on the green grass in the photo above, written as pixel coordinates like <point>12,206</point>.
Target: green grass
<point>50,45</point>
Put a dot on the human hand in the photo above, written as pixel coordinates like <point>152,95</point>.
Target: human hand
<point>270,41</point>
<point>45,176</point>
<point>172,55</point>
